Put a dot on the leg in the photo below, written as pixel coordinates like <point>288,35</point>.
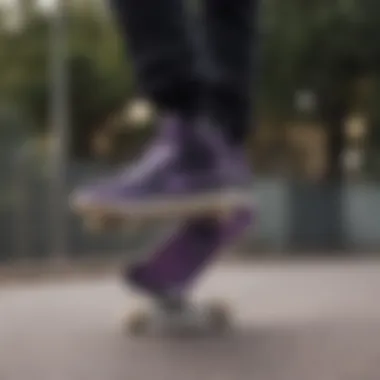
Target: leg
<point>178,262</point>
<point>189,170</point>
<point>229,43</point>
<point>163,57</point>
<point>230,28</point>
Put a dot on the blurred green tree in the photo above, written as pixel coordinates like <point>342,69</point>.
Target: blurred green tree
<point>99,75</point>
<point>324,46</point>
<point>327,47</point>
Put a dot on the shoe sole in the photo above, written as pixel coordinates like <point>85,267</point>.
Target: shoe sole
<point>205,205</point>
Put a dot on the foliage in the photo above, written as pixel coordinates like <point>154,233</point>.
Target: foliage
<point>99,79</point>
<point>321,45</point>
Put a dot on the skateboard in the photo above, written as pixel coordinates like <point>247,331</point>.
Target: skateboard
<point>175,265</point>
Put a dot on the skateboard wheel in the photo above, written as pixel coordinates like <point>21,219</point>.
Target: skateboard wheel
<point>219,317</point>
<point>137,324</point>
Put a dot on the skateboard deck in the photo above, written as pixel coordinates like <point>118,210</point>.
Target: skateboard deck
<point>179,261</point>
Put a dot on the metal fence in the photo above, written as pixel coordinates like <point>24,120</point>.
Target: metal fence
<point>293,217</point>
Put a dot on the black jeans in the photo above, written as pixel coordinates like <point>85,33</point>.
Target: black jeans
<point>185,62</point>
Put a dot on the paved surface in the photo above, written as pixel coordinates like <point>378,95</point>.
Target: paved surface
<point>295,322</point>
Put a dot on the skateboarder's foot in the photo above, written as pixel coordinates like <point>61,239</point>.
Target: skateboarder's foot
<point>189,170</point>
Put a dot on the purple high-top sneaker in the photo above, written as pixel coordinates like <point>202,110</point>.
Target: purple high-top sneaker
<point>189,170</point>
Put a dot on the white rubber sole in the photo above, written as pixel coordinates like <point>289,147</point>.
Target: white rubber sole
<point>213,204</point>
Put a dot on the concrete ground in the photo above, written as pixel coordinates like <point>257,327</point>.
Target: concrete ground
<point>294,322</point>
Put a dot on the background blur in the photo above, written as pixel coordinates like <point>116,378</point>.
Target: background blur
<point>68,112</point>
